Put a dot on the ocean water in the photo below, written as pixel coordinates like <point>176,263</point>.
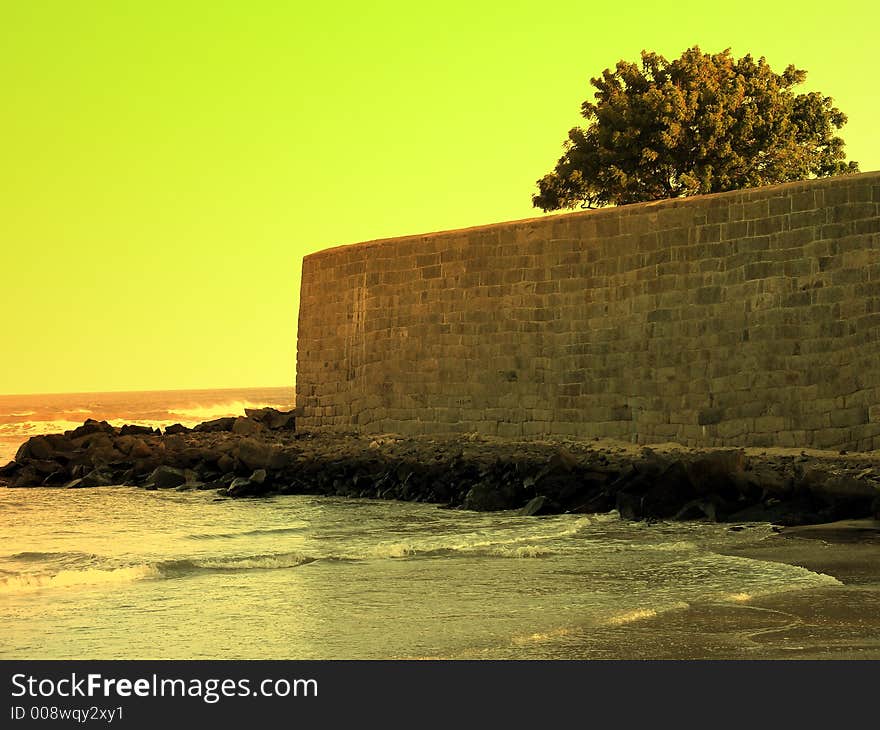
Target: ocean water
<point>119,572</point>
<point>23,416</point>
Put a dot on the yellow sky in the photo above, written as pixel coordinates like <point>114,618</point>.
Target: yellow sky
<point>166,165</point>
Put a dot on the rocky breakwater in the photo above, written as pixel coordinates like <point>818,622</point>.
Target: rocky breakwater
<point>261,453</point>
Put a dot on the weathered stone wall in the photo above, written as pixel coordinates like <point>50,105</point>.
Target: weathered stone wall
<point>745,318</point>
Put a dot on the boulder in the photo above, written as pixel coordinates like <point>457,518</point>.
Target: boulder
<point>97,439</point>
<point>60,443</point>
<point>253,454</point>
<point>247,426</point>
<point>217,425</point>
<point>10,469</point>
<point>105,455</point>
<point>272,418</point>
<point>698,509</point>
<point>140,450</point>
<point>225,464</point>
<point>483,497</point>
<point>90,426</point>
<point>669,492</point>
<point>176,428</point>
<point>629,506</point>
<point>166,477</point>
<point>600,502</point>
<point>43,466</point>
<point>95,478</point>
<point>831,485</point>
<point>134,430</point>
<point>539,505</point>
<point>244,487</point>
<point>27,477</point>
<point>717,471</point>
<point>36,447</point>
<point>259,476</point>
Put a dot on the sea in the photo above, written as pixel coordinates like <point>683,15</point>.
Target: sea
<point>124,573</point>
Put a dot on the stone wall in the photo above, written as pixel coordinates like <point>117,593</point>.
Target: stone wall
<point>744,318</point>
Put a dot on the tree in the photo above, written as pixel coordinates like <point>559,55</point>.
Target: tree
<point>699,124</point>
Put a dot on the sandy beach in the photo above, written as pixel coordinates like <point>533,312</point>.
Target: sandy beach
<point>839,622</point>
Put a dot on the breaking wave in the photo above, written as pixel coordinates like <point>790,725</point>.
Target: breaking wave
<point>215,410</point>
<point>98,576</point>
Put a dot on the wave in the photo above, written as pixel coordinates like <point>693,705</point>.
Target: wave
<point>79,569</point>
<point>247,533</point>
<point>409,550</point>
<point>165,569</point>
<point>26,429</point>
<point>628,617</point>
<point>65,556</point>
<point>68,578</point>
<point>473,545</point>
<point>217,410</point>
<point>272,561</point>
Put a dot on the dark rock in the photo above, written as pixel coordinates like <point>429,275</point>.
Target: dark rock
<point>56,478</point>
<point>718,472</point>
<point>598,503</point>
<point>259,476</point>
<point>483,497</point>
<point>669,492</point>
<point>43,467</point>
<point>90,426</point>
<point>797,511</point>
<point>166,477</point>
<point>539,505</point>
<point>132,429</point>
<point>27,477</point>
<point>217,425</point>
<point>244,487</point>
<point>225,464</point>
<point>272,418</point>
<point>95,478</point>
<point>253,454</point>
<point>770,481</point>
<point>698,509</point>
<point>831,485</point>
<point>59,442</point>
<point>247,427</point>
<point>629,506</point>
<point>10,469</point>
<point>105,455</point>
<point>222,483</point>
<point>176,428</point>
<point>94,440</point>
<point>36,447</point>
<point>192,479</point>
<point>278,460</point>
<point>140,450</point>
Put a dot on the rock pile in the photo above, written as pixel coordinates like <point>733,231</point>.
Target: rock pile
<point>261,453</point>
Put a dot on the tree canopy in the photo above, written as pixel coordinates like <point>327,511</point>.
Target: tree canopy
<point>702,123</point>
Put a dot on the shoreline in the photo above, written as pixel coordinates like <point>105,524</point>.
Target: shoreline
<point>838,622</point>
<point>262,453</point>
<point>826,503</point>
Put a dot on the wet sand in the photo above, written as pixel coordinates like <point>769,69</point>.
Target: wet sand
<point>839,622</point>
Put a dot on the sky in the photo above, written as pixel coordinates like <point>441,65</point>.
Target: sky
<point>165,166</point>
